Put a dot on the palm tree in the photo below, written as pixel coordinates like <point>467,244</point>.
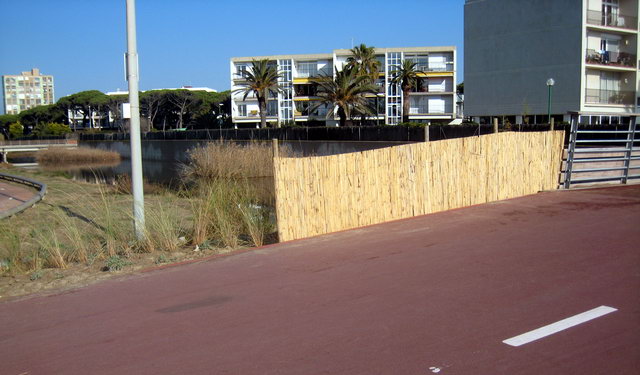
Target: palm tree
<point>364,59</point>
<point>407,76</point>
<point>261,79</point>
<point>346,91</point>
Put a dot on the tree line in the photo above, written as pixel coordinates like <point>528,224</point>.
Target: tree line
<point>159,110</point>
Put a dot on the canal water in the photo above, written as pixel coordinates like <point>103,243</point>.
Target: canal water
<point>162,160</point>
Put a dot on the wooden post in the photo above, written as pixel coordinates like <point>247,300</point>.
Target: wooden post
<point>553,127</point>
<point>495,124</point>
<point>426,133</point>
<point>275,147</point>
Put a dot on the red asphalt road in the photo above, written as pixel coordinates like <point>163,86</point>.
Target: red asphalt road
<point>435,293</point>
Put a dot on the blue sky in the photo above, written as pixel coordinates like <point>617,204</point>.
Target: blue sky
<point>190,42</point>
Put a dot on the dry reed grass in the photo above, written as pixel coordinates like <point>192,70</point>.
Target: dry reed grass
<point>122,185</point>
<point>231,160</point>
<point>76,155</point>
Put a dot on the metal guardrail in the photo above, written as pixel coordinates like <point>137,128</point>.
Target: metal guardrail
<point>613,150</point>
<point>598,18</point>
<point>609,96</point>
<point>42,191</point>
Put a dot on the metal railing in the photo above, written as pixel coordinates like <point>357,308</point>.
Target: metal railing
<point>446,66</point>
<point>623,59</point>
<point>609,97</point>
<point>606,155</point>
<point>598,18</point>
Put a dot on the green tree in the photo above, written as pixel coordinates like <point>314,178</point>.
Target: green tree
<point>153,107</point>
<point>364,60</point>
<point>114,107</point>
<point>406,75</point>
<point>347,91</point>
<point>5,121</point>
<point>262,80</point>
<point>16,130</point>
<point>85,103</point>
<point>30,118</point>
<point>51,129</point>
<point>184,103</point>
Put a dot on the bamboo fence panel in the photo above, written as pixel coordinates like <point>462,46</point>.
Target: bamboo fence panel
<point>317,195</point>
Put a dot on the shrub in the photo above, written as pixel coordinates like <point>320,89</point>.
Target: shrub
<point>51,129</point>
<point>16,130</point>
<point>115,263</point>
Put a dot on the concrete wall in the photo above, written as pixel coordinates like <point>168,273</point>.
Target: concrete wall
<point>512,47</point>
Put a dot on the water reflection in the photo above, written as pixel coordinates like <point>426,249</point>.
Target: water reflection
<point>163,160</point>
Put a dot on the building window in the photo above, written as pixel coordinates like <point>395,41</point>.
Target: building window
<point>241,70</point>
<point>272,108</point>
<point>242,110</point>
<point>307,69</point>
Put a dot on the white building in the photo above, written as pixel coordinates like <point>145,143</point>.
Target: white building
<point>27,90</point>
<point>588,47</point>
<point>433,100</point>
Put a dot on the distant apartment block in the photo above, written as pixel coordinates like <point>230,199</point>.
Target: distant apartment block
<point>433,100</point>
<point>588,47</point>
<point>27,90</point>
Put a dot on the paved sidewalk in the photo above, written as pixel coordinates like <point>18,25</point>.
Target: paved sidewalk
<point>433,294</point>
<point>13,195</point>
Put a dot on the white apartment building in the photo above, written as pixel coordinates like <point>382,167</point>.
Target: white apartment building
<point>432,100</point>
<point>588,47</point>
<point>27,90</point>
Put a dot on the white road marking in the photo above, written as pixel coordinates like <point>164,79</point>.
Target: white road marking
<point>558,326</point>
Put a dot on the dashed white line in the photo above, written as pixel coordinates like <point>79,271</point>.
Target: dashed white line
<point>558,326</point>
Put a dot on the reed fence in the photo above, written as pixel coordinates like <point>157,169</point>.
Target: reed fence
<point>317,195</point>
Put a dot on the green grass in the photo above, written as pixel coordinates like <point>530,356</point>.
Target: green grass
<point>85,224</point>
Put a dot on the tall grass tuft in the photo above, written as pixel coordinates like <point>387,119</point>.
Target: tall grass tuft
<point>164,228</point>
<point>11,251</point>
<point>51,248</point>
<point>230,160</point>
<point>78,238</point>
<point>229,210</point>
<point>76,155</point>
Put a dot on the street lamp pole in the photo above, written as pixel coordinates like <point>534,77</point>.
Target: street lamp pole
<point>134,102</point>
<point>550,83</point>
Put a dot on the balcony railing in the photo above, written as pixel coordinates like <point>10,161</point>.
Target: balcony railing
<point>623,59</point>
<point>598,18</point>
<point>596,96</point>
<point>439,67</point>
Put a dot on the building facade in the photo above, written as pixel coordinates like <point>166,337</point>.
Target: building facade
<point>27,90</point>
<point>433,100</point>
<point>588,47</point>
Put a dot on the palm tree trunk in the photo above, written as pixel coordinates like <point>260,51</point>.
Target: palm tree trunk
<point>343,116</point>
<point>405,103</point>
<point>262,102</point>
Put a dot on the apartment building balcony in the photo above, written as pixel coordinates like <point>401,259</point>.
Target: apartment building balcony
<point>597,18</point>
<point>309,110</point>
<point>597,96</point>
<point>426,91</point>
<point>446,66</point>
<point>611,59</point>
